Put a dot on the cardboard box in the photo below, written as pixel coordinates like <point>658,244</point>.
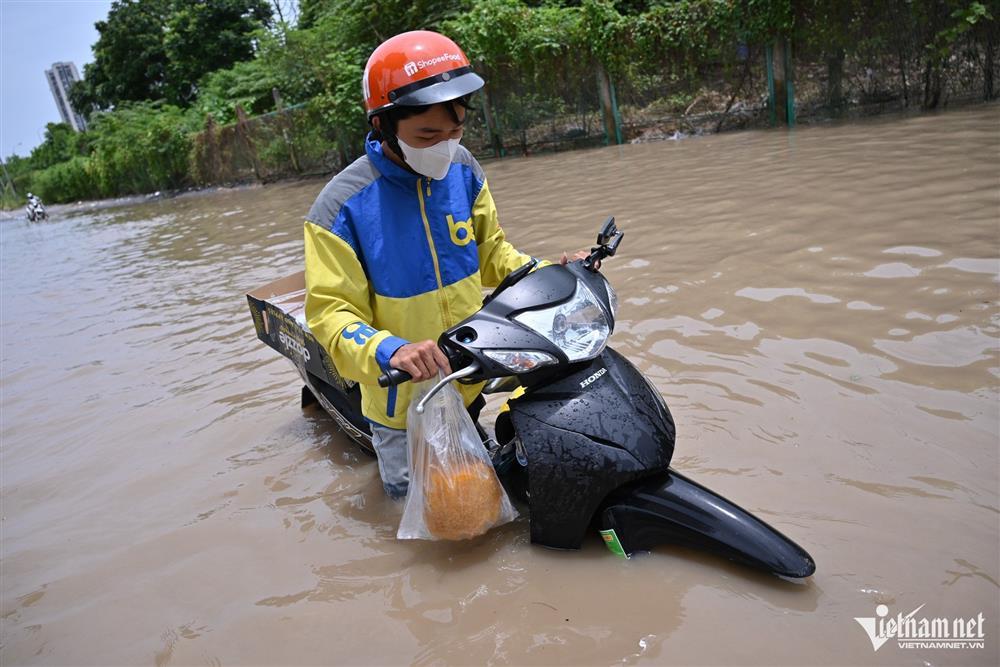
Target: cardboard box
<point>278,311</point>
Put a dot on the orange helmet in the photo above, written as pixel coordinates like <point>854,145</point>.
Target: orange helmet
<point>415,69</point>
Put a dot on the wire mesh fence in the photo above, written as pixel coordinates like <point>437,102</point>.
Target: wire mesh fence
<point>581,105</point>
<point>284,144</point>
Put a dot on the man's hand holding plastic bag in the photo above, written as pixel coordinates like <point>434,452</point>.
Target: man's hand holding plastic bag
<point>454,491</point>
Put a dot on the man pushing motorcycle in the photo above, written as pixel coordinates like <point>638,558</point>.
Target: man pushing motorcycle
<point>400,244</point>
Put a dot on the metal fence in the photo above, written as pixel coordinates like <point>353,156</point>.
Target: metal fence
<point>584,106</point>
<point>278,145</point>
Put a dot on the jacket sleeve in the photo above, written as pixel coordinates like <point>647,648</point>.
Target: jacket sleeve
<point>338,308</point>
<point>497,257</point>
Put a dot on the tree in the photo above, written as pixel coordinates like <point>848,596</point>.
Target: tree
<point>287,11</point>
<point>142,147</point>
<point>159,49</point>
<point>61,143</point>
<point>130,62</point>
<point>202,37</point>
<point>374,21</point>
<point>310,11</point>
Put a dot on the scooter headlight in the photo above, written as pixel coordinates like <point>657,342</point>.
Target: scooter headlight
<point>612,297</point>
<point>578,327</point>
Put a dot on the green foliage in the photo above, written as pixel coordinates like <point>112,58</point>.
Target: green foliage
<point>507,35</point>
<point>312,138</point>
<point>247,84</point>
<point>61,143</point>
<point>339,104</point>
<point>160,49</point>
<point>309,12</point>
<point>292,62</point>
<point>20,171</point>
<point>521,111</point>
<point>136,148</point>
<point>201,37</point>
<point>67,181</point>
<point>686,31</point>
<point>130,62</point>
<point>627,38</point>
<point>141,148</point>
<point>366,23</point>
<point>962,20</point>
<point>758,21</point>
<point>45,167</point>
<point>202,58</point>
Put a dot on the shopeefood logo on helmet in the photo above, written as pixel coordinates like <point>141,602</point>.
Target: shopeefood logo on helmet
<point>413,67</point>
<point>417,68</point>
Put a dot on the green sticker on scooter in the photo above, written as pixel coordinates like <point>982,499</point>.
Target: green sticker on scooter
<point>614,545</point>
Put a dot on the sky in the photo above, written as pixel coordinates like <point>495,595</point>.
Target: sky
<point>33,35</point>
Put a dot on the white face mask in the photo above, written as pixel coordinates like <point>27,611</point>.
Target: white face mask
<point>432,162</point>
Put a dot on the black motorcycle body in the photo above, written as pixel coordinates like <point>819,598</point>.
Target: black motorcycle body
<point>587,441</point>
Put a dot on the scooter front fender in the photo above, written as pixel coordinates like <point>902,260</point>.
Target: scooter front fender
<point>672,509</point>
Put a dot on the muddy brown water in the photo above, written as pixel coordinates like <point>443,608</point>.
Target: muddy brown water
<point>819,308</point>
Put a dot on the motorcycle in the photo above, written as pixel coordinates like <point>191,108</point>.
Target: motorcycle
<point>35,211</point>
<point>584,439</point>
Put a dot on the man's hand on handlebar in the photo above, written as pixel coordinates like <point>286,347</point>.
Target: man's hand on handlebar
<point>421,360</point>
<point>583,254</point>
<point>564,260</point>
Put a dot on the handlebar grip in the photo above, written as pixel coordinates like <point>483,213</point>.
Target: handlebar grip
<point>393,377</point>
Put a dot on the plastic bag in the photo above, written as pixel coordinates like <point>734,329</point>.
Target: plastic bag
<point>454,492</point>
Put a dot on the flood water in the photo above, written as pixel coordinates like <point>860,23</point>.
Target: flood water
<point>819,309</point>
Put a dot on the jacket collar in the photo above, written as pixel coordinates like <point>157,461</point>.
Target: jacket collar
<point>386,167</point>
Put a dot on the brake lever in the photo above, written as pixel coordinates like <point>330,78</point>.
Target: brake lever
<point>471,369</point>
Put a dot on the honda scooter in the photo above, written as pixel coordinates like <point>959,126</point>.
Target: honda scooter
<point>585,440</point>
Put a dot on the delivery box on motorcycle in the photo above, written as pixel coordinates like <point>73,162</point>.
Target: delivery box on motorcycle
<point>278,311</point>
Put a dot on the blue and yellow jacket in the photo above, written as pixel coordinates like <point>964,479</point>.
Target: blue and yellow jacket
<point>391,258</point>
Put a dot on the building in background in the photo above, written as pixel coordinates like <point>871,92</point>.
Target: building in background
<point>61,78</point>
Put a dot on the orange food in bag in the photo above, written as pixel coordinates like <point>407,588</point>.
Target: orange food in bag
<point>461,501</point>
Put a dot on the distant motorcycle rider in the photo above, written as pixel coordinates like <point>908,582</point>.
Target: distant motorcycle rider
<point>35,209</point>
